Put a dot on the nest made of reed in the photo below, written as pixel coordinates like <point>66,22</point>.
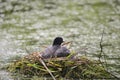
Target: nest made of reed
<point>60,67</point>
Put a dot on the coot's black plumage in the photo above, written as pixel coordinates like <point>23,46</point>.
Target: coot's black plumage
<point>56,50</point>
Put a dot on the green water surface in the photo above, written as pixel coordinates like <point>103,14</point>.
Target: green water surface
<point>31,24</point>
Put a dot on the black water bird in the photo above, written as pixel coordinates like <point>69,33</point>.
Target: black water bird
<point>56,49</point>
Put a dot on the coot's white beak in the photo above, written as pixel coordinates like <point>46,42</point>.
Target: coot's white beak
<point>66,44</point>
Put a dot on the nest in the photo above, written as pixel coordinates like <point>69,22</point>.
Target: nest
<point>64,67</point>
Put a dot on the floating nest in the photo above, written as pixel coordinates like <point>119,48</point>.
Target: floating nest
<point>64,67</point>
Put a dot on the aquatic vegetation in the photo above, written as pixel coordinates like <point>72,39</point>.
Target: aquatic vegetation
<point>60,67</point>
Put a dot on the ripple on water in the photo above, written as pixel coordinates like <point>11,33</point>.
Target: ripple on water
<point>5,75</point>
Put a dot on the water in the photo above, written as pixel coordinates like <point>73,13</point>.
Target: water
<point>31,24</point>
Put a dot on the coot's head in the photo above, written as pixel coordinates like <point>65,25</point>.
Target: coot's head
<point>58,41</point>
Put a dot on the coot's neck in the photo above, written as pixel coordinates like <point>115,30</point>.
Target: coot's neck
<point>55,44</point>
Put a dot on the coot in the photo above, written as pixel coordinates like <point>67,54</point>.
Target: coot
<point>56,49</point>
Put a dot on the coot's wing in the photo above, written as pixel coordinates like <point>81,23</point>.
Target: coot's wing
<point>62,52</point>
<point>48,52</point>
